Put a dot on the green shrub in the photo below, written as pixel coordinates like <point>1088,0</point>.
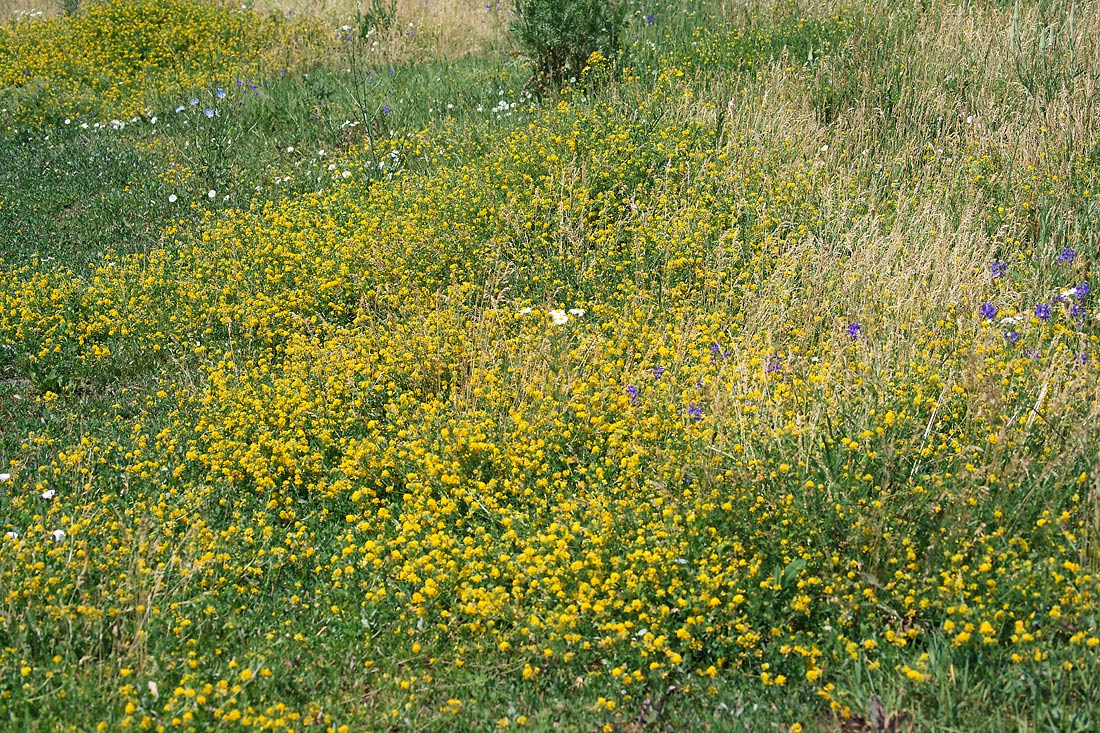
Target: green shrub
<point>559,36</point>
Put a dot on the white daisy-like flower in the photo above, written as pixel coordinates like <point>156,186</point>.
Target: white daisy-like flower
<point>48,494</point>
<point>559,317</point>
<point>59,535</point>
<point>4,478</point>
<point>524,311</point>
<point>211,194</point>
<point>12,535</point>
<point>172,198</point>
<point>578,312</point>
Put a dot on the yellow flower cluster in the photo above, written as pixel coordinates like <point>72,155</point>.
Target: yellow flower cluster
<point>119,57</point>
<point>612,397</point>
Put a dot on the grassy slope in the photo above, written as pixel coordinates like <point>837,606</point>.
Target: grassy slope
<point>333,472</point>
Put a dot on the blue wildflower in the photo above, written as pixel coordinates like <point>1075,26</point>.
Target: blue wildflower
<point>632,392</point>
<point>1042,311</point>
<point>988,311</point>
<point>998,269</point>
<point>1012,337</point>
<point>854,330</point>
<point>220,93</point>
<point>657,371</point>
<point>1067,254</point>
<point>695,412</point>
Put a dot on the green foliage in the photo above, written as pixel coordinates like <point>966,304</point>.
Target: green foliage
<point>378,16</point>
<point>558,37</point>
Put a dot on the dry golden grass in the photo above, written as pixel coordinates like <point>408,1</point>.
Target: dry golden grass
<point>990,82</point>
<point>23,8</point>
<point>439,29</point>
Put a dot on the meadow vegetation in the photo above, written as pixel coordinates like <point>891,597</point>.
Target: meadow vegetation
<point>349,380</point>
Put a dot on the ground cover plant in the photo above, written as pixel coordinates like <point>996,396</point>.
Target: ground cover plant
<point>352,382</point>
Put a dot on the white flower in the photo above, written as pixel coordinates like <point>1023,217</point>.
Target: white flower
<point>559,317</point>
<point>4,478</point>
<point>59,535</point>
<point>578,312</point>
<point>211,194</point>
<point>172,198</point>
<point>524,311</point>
<point>1009,320</point>
<point>153,690</point>
<point>1071,293</point>
<point>48,494</point>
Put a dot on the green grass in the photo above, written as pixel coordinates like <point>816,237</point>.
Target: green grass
<point>70,196</point>
<point>666,401</point>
